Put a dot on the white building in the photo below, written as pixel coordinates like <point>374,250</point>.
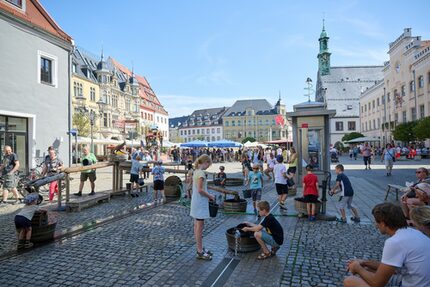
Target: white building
<point>340,88</point>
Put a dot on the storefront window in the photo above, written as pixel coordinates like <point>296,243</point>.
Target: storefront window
<point>17,124</point>
<point>2,123</point>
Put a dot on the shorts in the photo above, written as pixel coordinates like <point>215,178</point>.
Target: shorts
<point>158,184</point>
<point>292,169</point>
<point>310,198</point>
<point>90,175</point>
<point>344,202</point>
<point>367,160</point>
<point>134,178</point>
<point>268,239</point>
<point>256,194</point>
<point>10,181</point>
<point>22,222</point>
<point>281,188</point>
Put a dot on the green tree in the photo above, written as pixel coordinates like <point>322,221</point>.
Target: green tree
<point>251,139</point>
<point>351,136</point>
<point>82,123</point>
<point>422,129</point>
<point>405,132</point>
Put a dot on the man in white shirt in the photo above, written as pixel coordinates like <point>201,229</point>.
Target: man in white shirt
<point>406,252</point>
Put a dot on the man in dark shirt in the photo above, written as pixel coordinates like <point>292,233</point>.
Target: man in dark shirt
<point>8,169</point>
<point>269,231</point>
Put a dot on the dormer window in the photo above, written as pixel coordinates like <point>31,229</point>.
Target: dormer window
<point>17,3</point>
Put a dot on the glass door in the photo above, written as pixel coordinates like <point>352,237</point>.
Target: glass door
<point>18,143</point>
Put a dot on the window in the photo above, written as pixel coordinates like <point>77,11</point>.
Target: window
<point>226,123</point>
<point>411,86</point>
<point>339,126</point>
<point>403,90</point>
<point>362,109</point>
<point>379,122</point>
<point>404,117</point>
<point>422,111</point>
<point>233,123</point>
<point>105,119</point>
<point>351,126</point>
<point>218,130</point>
<point>383,99</point>
<point>194,132</point>
<point>198,131</point>
<point>414,114</point>
<point>47,68</point>
<point>213,130</point>
<point>115,101</point>
<point>17,3</point>
<point>239,123</point>
<point>396,117</point>
<point>373,105</point>
<point>421,82</point>
<point>349,107</point>
<point>388,97</point>
<point>127,105</point>
<point>374,124</point>
<point>377,102</point>
<point>365,108</point>
<point>366,127</point>
<point>74,68</point>
<point>93,94</point>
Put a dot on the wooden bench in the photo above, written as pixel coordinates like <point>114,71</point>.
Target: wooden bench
<point>393,188</point>
<point>79,203</point>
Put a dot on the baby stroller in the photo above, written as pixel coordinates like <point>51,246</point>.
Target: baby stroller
<point>334,158</point>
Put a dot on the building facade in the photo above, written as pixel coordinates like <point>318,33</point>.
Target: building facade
<point>124,104</point>
<point>34,81</point>
<point>340,88</point>
<point>258,119</point>
<point>204,124</point>
<point>404,93</point>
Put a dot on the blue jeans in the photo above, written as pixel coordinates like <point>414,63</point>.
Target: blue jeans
<point>268,239</point>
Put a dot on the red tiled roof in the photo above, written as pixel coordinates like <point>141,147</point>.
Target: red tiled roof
<point>145,90</point>
<point>36,15</point>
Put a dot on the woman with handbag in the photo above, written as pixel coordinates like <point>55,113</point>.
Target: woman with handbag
<point>389,157</point>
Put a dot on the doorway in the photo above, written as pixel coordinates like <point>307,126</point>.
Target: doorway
<point>14,133</point>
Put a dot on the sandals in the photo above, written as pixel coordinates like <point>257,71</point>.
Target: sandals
<point>263,256</point>
<point>274,250</point>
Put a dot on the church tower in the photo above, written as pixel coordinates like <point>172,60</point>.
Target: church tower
<point>324,55</point>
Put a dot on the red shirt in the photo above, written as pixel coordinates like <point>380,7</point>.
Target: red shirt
<point>310,180</point>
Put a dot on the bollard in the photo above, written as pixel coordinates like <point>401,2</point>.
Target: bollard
<point>324,196</point>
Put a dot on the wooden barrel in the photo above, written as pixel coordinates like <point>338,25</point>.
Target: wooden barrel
<point>247,242</point>
<point>232,205</point>
<point>172,187</point>
<point>43,233</point>
<point>233,182</point>
<point>301,208</point>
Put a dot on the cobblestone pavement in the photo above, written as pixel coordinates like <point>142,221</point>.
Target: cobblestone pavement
<point>156,246</point>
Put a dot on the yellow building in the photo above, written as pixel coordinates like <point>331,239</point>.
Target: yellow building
<point>257,119</point>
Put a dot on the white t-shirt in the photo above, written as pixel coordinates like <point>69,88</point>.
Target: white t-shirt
<point>279,171</point>
<point>409,250</point>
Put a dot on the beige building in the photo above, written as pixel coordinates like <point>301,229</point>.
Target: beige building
<point>257,119</point>
<point>404,93</point>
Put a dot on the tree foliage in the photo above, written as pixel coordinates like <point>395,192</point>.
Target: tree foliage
<point>351,136</point>
<point>81,123</point>
<point>405,132</point>
<point>422,129</point>
<point>251,139</point>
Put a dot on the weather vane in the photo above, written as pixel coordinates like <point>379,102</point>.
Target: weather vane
<point>309,88</point>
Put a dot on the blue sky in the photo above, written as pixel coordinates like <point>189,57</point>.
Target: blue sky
<point>201,53</point>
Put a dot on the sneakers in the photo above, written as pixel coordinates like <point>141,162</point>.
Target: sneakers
<point>92,193</point>
<point>355,219</point>
<point>3,202</point>
<point>78,193</point>
<point>274,250</point>
<point>203,256</point>
<point>341,220</point>
<point>312,218</point>
<point>28,244</point>
<point>207,251</point>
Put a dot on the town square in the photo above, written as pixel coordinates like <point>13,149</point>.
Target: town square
<point>214,143</point>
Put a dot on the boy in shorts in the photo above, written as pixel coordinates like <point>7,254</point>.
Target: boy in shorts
<point>343,185</point>
<point>23,220</point>
<point>255,181</point>
<point>158,173</point>
<point>280,172</point>
<point>269,231</point>
<point>136,168</point>
<point>310,192</point>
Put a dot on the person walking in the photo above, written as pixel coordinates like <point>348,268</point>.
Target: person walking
<point>9,167</point>
<point>200,204</point>
<point>88,159</point>
<point>51,166</point>
<point>281,181</point>
<point>389,157</point>
<point>292,166</point>
<point>366,151</point>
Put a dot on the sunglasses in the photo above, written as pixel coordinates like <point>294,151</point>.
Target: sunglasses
<point>419,171</point>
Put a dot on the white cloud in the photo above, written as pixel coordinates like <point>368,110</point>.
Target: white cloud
<point>375,55</point>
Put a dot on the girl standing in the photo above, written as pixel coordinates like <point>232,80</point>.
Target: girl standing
<point>200,204</point>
